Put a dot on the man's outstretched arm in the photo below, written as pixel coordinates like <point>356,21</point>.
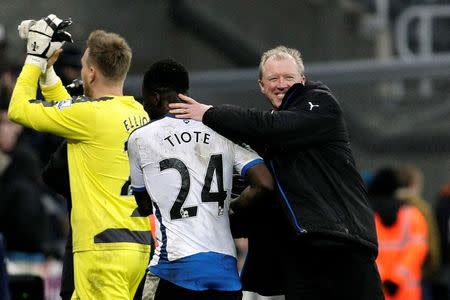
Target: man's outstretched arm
<point>294,127</point>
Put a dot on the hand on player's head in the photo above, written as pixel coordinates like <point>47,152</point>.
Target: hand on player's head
<point>189,109</point>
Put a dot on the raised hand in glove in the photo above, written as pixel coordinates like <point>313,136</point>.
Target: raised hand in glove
<point>44,37</point>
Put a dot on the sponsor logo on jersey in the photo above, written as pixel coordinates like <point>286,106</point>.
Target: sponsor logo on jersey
<point>63,104</point>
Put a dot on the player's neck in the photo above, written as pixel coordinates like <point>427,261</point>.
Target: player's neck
<point>103,90</point>
<point>158,114</point>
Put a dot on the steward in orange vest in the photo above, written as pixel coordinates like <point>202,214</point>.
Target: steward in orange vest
<point>402,239</point>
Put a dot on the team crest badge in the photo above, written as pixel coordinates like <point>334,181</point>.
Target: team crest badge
<point>63,104</point>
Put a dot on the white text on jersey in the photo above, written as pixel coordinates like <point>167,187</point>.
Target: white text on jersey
<point>186,137</point>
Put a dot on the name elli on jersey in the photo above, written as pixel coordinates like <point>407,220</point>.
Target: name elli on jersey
<point>134,122</point>
<point>129,123</point>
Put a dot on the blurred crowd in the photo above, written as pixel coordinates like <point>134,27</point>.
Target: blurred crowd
<point>413,235</point>
<point>33,218</point>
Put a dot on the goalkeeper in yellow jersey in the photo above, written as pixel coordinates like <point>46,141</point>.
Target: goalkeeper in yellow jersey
<point>111,238</point>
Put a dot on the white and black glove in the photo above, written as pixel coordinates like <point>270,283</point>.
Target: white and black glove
<point>44,37</point>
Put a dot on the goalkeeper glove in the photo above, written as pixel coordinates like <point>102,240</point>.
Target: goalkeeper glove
<point>44,37</point>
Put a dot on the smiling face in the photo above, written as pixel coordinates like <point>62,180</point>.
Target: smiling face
<point>278,75</point>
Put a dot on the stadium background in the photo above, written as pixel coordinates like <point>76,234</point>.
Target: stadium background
<point>396,105</point>
<point>348,45</point>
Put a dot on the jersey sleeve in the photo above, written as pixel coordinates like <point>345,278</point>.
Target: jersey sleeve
<point>55,92</point>
<point>245,158</point>
<point>136,174</point>
<point>67,118</point>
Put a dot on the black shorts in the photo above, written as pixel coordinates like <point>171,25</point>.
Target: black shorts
<point>169,291</point>
<point>330,273</point>
<point>67,276</point>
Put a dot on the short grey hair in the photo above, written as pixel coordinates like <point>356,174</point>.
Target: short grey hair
<point>282,52</point>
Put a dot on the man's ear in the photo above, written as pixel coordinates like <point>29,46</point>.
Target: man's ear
<point>261,86</point>
<point>92,76</point>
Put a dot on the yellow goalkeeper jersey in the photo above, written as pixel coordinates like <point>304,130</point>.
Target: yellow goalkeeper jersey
<point>104,215</point>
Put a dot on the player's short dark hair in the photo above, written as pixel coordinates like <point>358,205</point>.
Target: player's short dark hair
<point>166,75</point>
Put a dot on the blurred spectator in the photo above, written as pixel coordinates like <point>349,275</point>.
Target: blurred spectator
<point>68,68</point>
<point>56,176</point>
<point>410,191</point>
<point>43,144</point>
<point>27,205</point>
<point>3,45</point>
<point>9,135</point>
<point>442,211</point>
<point>7,82</point>
<point>4,290</point>
<point>443,216</point>
<point>402,238</point>
<point>32,219</point>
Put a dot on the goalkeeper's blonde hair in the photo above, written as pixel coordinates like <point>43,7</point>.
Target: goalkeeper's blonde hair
<point>110,53</point>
